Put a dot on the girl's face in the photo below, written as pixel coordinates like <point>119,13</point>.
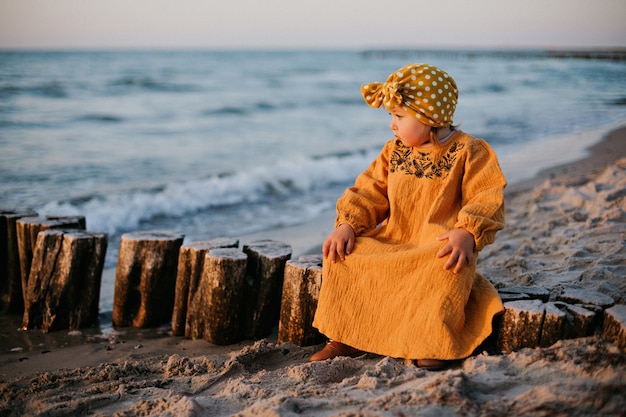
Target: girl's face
<point>409,130</point>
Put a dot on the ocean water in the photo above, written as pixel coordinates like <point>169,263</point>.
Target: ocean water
<point>229,143</point>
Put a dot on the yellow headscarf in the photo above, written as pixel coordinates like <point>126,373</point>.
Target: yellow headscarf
<point>423,90</point>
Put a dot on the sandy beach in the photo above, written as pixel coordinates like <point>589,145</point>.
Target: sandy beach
<point>565,228</point>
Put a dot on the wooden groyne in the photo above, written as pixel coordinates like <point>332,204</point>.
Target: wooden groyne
<point>602,54</point>
<point>224,294</point>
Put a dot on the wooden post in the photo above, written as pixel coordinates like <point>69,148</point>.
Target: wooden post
<point>214,312</point>
<point>145,279</point>
<point>11,294</point>
<point>266,269</point>
<point>301,290</point>
<point>27,229</point>
<point>614,326</point>
<point>64,284</point>
<point>190,265</point>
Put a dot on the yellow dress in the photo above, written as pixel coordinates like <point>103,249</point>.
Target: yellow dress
<point>391,295</point>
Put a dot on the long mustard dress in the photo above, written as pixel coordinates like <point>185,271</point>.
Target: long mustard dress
<point>391,295</point>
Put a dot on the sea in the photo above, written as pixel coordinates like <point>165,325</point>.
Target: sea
<point>230,143</point>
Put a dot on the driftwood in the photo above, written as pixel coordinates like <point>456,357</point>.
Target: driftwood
<point>64,283</point>
<point>262,297</point>
<point>190,266</point>
<point>11,294</point>
<point>214,312</point>
<point>27,229</point>
<point>301,290</point>
<point>145,278</point>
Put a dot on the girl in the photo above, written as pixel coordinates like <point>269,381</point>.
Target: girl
<point>399,277</point>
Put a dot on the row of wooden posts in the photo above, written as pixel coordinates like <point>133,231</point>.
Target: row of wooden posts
<point>213,290</point>
<point>51,269</point>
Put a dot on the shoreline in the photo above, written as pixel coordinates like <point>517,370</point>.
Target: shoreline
<point>607,150</point>
<point>198,373</point>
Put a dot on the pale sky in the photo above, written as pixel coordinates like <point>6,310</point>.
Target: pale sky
<point>305,24</point>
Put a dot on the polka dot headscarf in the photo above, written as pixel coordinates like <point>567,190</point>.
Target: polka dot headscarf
<point>423,90</point>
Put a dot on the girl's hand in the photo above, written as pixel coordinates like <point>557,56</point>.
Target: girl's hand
<point>339,243</point>
<point>460,247</point>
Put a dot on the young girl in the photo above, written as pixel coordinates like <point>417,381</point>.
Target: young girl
<point>399,272</point>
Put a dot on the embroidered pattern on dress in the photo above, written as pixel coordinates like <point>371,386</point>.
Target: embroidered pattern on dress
<point>422,164</point>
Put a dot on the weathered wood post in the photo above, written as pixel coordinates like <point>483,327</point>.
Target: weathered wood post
<point>190,266</point>
<point>145,278</point>
<point>215,308</point>
<point>521,325</point>
<point>614,326</point>
<point>27,229</point>
<point>11,294</point>
<point>301,290</point>
<point>64,282</point>
<point>264,283</point>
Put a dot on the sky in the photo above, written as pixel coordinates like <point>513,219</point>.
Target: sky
<point>310,24</point>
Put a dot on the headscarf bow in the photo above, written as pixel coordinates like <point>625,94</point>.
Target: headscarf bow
<point>424,91</point>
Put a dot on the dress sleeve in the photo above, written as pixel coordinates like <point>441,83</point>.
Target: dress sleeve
<point>365,205</point>
<point>482,210</point>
